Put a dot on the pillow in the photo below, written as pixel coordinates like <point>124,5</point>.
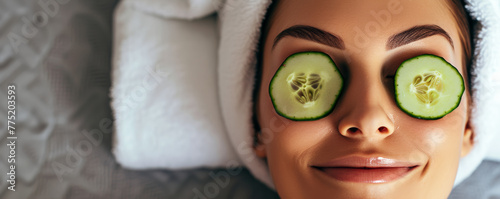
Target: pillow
<point>164,92</point>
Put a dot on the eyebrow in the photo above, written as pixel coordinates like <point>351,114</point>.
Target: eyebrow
<point>416,33</point>
<point>312,34</point>
<point>320,36</point>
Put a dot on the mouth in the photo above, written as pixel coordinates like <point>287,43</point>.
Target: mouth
<point>366,170</point>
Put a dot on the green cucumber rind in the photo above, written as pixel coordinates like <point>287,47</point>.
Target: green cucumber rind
<point>306,118</point>
<point>398,102</point>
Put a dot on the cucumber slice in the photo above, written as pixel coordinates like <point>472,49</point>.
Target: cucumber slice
<point>428,87</point>
<point>306,86</point>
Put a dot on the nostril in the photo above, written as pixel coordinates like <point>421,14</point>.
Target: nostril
<point>352,130</point>
<point>383,129</point>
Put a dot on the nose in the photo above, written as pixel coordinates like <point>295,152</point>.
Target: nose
<point>366,122</point>
<point>366,112</point>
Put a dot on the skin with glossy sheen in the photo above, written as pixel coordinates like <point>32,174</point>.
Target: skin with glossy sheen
<point>367,147</point>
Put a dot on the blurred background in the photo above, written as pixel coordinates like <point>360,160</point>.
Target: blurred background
<point>58,54</point>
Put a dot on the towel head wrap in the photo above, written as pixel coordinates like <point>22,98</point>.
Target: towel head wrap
<point>240,30</point>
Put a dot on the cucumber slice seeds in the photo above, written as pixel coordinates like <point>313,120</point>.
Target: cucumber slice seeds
<point>306,86</point>
<point>428,87</point>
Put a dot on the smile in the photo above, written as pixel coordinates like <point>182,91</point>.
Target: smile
<point>366,170</point>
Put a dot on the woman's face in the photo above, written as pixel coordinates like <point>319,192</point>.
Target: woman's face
<point>367,147</point>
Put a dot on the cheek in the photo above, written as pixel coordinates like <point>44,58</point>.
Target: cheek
<point>430,141</point>
<point>299,137</point>
<point>438,144</point>
<point>438,140</point>
<point>432,136</point>
<point>289,154</point>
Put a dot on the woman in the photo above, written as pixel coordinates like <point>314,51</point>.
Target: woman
<point>367,146</point>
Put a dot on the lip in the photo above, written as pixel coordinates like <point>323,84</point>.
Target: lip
<point>366,169</point>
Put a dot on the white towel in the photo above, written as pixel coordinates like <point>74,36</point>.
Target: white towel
<point>485,84</point>
<point>164,89</point>
<point>239,31</point>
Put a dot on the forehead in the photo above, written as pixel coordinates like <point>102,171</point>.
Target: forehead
<point>380,18</point>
